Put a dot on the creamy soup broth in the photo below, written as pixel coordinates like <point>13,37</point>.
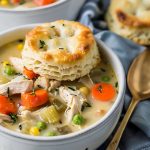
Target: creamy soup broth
<point>103,73</point>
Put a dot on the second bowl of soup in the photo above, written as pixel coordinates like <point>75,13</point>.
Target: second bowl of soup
<point>20,12</point>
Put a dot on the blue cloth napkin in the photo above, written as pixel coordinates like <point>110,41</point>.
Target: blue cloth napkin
<point>137,134</point>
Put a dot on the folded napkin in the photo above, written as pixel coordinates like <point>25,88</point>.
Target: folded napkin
<point>137,134</point>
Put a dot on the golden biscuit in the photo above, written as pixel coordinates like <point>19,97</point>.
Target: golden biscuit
<point>61,50</point>
<point>131,19</point>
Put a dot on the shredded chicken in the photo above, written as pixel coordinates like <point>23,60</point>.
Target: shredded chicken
<point>74,100</point>
<point>16,86</point>
<point>26,114</point>
<point>25,126</point>
<point>42,82</point>
<point>17,63</point>
<point>26,118</point>
<point>86,80</point>
<point>53,84</point>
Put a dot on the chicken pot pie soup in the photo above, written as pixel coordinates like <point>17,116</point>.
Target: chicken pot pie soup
<point>38,105</point>
<point>24,4</point>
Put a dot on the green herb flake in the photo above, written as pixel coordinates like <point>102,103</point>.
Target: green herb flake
<point>100,88</point>
<point>102,69</point>
<point>105,78</point>
<point>52,26</point>
<point>20,40</point>
<point>116,84</point>
<point>33,91</point>
<point>8,93</point>
<point>20,127</point>
<point>13,117</point>
<point>84,105</point>
<point>43,45</point>
<point>71,88</point>
<point>18,74</point>
<point>61,48</point>
<point>21,2</point>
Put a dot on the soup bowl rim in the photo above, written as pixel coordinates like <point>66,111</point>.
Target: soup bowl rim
<point>38,8</point>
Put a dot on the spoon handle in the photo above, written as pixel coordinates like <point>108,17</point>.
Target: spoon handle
<point>116,139</point>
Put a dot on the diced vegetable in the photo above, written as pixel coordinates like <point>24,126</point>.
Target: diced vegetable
<point>7,106</point>
<point>50,114</point>
<point>43,2</point>
<point>105,78</point>
<point>103,91</point>
<point>20,46</point>
<point>59,105</point>
<point>9,70</point>
<point>22,2</point>
<point>41,125</point>
<point>4,63</point>
<point>32,100</point>
<point>78,119</point>
<point>84,90</point>
<point>29,73</point>
<point>34,131</point>
<point>51,133</point>
<point>4,2</point>
<point>15,1</point>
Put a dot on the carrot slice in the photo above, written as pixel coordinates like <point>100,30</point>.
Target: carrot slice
<point>6,106</point>
<point>32,100</point>
<point>29,73</point>
<point>43,2</point>
<point>103,91</point>
<point>15,1</point>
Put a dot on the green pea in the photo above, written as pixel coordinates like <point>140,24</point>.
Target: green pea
<point>78,119</point>
<point>51,133</point>
<point>105,78</point>
<point>41,125</point>
<point>9,70</point>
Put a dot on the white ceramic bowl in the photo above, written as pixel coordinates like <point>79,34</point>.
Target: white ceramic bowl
<point>91,137</point>
<point>62,9</point>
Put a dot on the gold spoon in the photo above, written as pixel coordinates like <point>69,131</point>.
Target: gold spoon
<point>139,84</point>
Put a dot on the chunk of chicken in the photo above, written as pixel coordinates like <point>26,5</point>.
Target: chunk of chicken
<point>16,86</point>
<point>87,81</point>
<point>17,64</point>
<point>53,84</point>
<point>74,100</point>
<point>42,82</point>
<point>4,117</point>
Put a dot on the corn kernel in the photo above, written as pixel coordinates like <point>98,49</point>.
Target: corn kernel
<point>5,63</point>
<point>84,90</point>
<point>20,46</point>
<point>4,2</point>
<point>34,131</point>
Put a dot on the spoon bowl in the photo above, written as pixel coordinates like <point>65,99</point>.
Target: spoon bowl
<point>139,76</point>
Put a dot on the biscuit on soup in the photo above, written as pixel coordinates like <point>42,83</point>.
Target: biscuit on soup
<point>61,50</point>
